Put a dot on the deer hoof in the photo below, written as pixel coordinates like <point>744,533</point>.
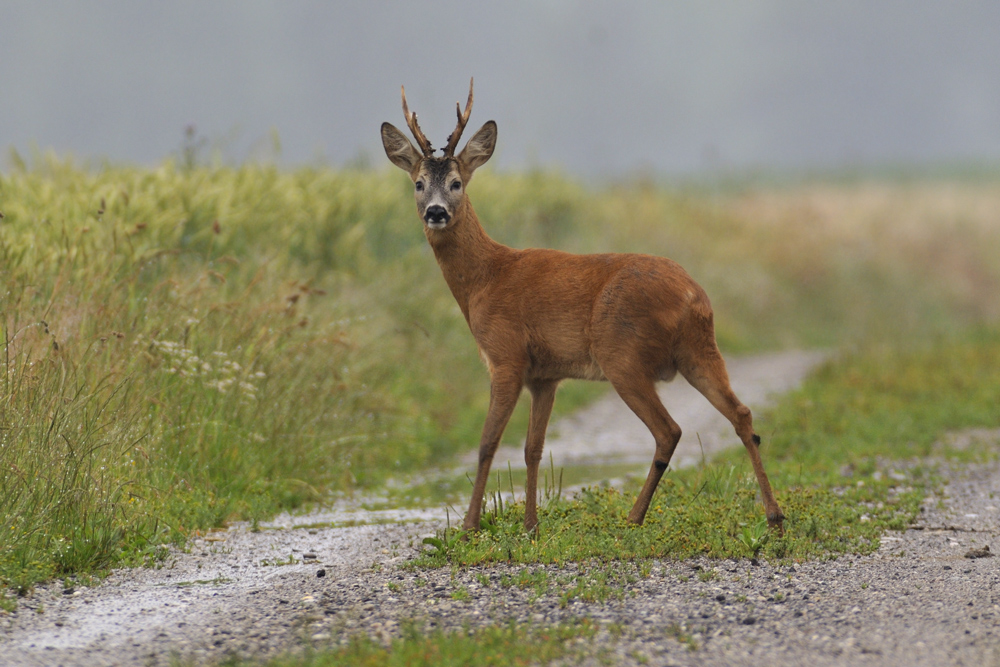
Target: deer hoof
<point>776,521</point>
<point>635,520</point>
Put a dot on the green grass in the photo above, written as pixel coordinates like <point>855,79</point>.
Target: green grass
<point>494,646</point>
<point>842,456</point>
<point>594,583</point>
<point>188,345</point>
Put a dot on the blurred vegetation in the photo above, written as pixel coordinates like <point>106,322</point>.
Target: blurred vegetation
<point>513,645</point>
<point>186,345</point>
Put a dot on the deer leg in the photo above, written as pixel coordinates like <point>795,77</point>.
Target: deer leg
<point>642,399</point>
<point>709,376</point>
<point>543,395</point>
<point>504,390</point>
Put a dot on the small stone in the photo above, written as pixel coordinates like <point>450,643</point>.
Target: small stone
<point>320,573</point>
<point>69,591</point>
<point>720,598</point>
<point>309,556</point>
<point>749,620</point>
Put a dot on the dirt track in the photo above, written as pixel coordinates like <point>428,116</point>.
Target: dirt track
<point>919,600</point>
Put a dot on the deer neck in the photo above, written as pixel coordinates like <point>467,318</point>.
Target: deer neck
<point>466,254</point>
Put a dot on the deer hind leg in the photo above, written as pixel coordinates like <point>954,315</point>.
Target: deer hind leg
<point>505,387</point>
<point>543,395</point>
<point>641,397</point>
<point>708,375</point>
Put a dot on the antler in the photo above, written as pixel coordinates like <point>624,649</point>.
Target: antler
<point>411,121</point>
<point>463,118</point>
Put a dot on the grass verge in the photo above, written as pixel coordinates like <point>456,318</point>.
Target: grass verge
<point>846,454</point>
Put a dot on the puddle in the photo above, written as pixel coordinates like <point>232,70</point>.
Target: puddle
<point>337,517</point>
<point>218,581</point>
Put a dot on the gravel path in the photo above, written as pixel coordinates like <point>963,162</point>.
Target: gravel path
<point>918,601</point>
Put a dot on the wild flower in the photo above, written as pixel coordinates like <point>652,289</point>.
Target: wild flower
<point>218,372</point>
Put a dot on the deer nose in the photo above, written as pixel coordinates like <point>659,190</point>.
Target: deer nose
<point>436,215</point>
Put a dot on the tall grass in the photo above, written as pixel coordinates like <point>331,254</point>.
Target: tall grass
<point>185,345</point>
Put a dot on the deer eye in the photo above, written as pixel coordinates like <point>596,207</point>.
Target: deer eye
<point>456,185</point>
<point>419,186</point>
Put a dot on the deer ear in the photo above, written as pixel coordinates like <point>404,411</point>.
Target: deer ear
<point>480,147</point>
<point>398,148</point>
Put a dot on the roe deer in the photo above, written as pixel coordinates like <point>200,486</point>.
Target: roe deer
<point>541,316</point>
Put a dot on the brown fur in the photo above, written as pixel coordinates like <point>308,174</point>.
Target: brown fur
<point>541,316</point>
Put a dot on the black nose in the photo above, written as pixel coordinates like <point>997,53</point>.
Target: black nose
<point>436,215</point>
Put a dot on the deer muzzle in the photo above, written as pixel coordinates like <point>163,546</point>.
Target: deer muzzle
<point>436,216</point>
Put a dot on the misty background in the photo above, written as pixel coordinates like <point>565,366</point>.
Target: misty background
<point>594,88</point>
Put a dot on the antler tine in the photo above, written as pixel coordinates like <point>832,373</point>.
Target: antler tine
<point>411,122</point>
<point>463,118</point>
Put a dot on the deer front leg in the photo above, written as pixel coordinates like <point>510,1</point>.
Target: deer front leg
<point>543,395</point>
<point>504,390</point>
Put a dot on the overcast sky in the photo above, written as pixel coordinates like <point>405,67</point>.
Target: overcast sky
<point>596,88</point>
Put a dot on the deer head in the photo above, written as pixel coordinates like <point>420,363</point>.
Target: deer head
<point>439,182</point>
